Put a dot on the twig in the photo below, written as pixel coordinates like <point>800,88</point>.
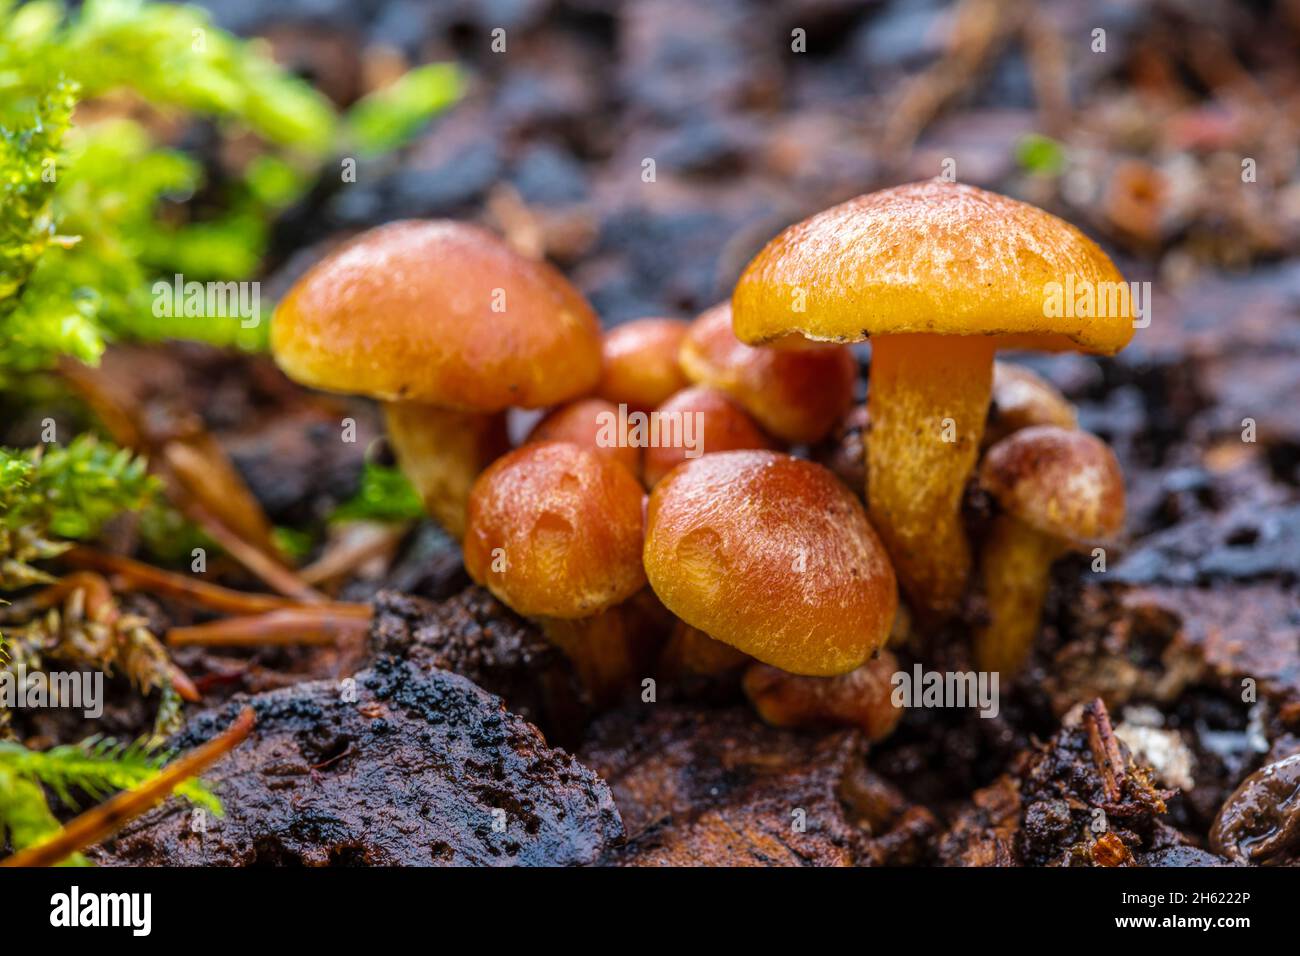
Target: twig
<point>269,570</point>
<point>1105,748</point>
<point>1048,71</point>
<point>329,625</point>
<point>100,822</point>
<point>97,598</point>
<point>128,575</point>
<point>979,28</point>
<point>198,476</point>
<point>202,467</point>
<point>358,543</point>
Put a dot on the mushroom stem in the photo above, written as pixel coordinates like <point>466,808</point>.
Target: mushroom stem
<point>1016,564</point>
<point>691,651</point>
<point>442,451</point>
<point>603,648</point>
<point>928,401</point>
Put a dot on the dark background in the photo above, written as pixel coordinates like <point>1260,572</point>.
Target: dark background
<point>1147,137</point>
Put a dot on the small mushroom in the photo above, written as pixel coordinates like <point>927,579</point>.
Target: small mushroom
<point>1021,399</point>
<point>938,275</point>
<point>1058,490</point>
<point>689,650</point>
<point>722,426</point>
<point>447,326</point>
<point>584,422</point>
<point>861,698</point>
<point>640,363</point>
<point>774,556</point>
<point>555,532</point>
<point>796,393</point>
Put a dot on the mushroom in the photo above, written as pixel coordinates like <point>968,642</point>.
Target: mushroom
<point>690,651</point>
<point>772,555</point>
<point>861,698</point>
<point>555,532</point>
<point>585,422</point>
<point>447,326</point>
<point>796,393</point>
<point>1023,398</point>
<point>640,363</point>
<point>722,425</point>
<point>1058,490</point>
<point>938,275</point>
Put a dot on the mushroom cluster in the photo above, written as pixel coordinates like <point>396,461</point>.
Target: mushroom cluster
<point>706,542</point>
<point>938,276</point>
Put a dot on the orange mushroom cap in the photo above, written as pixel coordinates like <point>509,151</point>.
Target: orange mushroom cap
<point>724,426</point>
<point>582,422</point>
<point>442,313</point>
<point>641,368</point>
<point>861,698</point>
<point>1023,398</point>
<point>1062,482</point>
<point>554,530</point>
<point>929,257</point>
<point>772,555</point>
<point>796,394</point>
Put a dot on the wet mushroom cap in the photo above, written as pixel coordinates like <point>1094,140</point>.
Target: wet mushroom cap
<point>929,257</point>
<point>587,423</point>
<point>772,555</point>
<point>1062,482</point>
<point>724,426</point>
<point>1021,399</point>
<point>861,698</point>
<point>640,362</point>
<point>556,531</point>
<point>796,394</point>
<point>442,313</point>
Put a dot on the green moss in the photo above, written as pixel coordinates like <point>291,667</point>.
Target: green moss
<point>385,495</point>
<point>70,296</point>
<point>53,494</point>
